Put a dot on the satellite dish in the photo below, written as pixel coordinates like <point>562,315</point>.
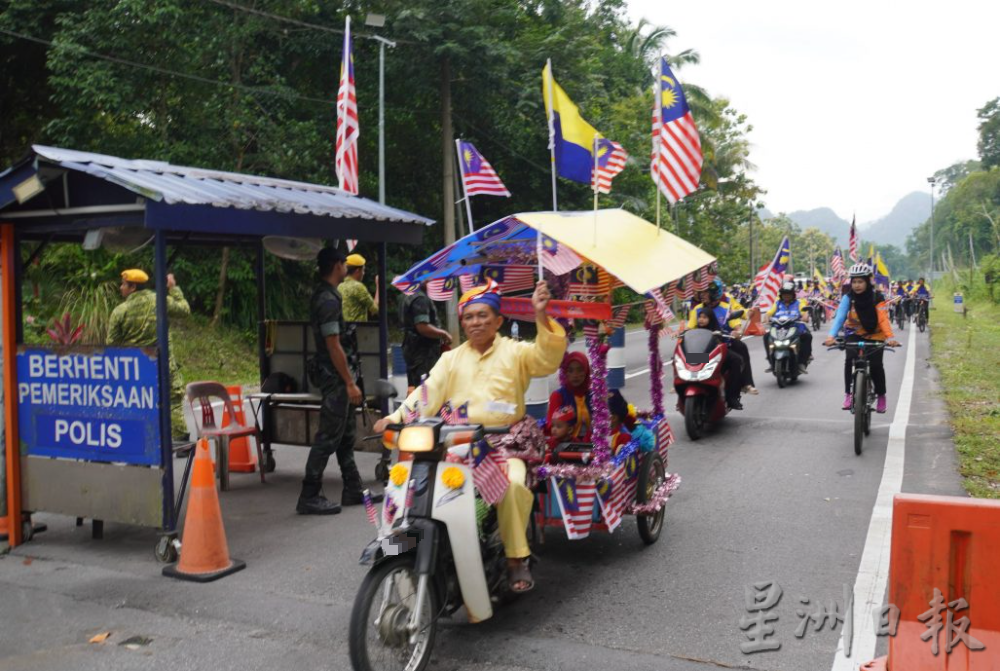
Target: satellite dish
<point>118,239</point>
<point>294,249</point>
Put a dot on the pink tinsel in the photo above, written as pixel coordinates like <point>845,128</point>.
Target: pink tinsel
<point>659,498</point>
<point>579,472</point>
<point>600,416</point>
<point>655,369</point>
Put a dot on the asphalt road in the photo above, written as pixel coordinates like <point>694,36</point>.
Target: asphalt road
<point>775,493</point>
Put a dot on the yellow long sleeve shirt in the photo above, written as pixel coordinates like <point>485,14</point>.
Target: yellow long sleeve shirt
<point>492,383</point>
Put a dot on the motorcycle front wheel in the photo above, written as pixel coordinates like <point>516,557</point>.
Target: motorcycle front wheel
<point>693,420</point>
<point>379,636</point>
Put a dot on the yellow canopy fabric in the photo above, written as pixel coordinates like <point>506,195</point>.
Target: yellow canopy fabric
<point>627,246</point>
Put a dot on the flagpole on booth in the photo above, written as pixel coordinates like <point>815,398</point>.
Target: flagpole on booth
<point>465,187</point>
<point>594,183</point>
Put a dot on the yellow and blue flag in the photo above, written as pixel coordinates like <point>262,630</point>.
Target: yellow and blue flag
<point>881,272</point>
<point>571,137</point>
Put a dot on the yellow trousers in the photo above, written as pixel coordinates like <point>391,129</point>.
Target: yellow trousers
<point>514,511</point>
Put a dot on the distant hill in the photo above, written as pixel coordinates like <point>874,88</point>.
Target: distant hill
<point>893,229</point>
<point>826,220</point>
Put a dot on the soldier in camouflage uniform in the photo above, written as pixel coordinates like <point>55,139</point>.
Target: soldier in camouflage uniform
<point>330,370</point>
<point>133,324</point>
<point>422,337</point>
<point>359,305</point>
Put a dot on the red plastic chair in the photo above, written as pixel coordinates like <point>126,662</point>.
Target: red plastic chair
<point>203,393</point>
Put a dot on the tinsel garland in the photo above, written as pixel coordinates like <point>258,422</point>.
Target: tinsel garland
<point>659,498</point>
<point>655,369</point>
<point>582,474</point>
<point>600,415</point>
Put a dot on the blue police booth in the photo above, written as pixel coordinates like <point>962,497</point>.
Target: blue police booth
<point>88,428</point>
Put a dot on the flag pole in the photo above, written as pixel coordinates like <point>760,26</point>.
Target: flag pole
<point>465,187</point>
<point>593,179</point>
<point>658,112</point>
<point>552,157</point>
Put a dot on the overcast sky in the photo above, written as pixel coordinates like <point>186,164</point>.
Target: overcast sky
<point>854,104</point>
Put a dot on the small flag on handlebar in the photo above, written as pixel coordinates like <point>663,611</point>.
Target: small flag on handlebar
<point>370,507</point>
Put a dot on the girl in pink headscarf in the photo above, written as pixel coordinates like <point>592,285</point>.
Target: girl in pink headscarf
<point>574,374</point>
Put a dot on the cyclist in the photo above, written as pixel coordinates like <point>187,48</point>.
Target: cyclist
<point>789,306</point>
<point>863,315</point>
<point>922,296</point>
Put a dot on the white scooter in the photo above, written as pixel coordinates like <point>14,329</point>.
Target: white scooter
<point>438,548</point>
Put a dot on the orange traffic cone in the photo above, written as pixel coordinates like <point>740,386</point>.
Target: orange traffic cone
<point>241,458</point>
<point>754,327</point>
<point>204,552</point>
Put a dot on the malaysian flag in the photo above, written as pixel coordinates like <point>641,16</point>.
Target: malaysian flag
<point>478,175</point>
<point>668,291</point>
<point>441,289</point>
<point>664,437</point>
<point>688,287</point>
<point>676,160</point>
<point>557,258</point>
<point>701,279</point>
<point>346,163</point>
<point>576,501</point>
<point>624,480</point>
<point>662,308</point>
<point>853,241</point>
<point>468,281</point>
<point>610,161</point>
<point>605,496</point>
<point>619,316</point>
<point>589,281</point>
<point>773,275</point>
<point>510,278</point>
<point>488,472</point>
<point>837,266</point>
<point>459,415</point>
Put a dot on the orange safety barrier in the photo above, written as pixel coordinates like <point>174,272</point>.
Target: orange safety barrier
<point>241,458</point>
<point>949,544</point>
<point>204,551</point>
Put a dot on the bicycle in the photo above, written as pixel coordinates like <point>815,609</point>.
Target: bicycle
<point>900,314</point>
<point>862,386</point>
<point>921,314</point>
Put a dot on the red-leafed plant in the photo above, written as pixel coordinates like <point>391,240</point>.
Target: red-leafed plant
<point>62,331</point>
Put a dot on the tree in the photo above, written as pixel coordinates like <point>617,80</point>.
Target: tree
<point>989,134</point>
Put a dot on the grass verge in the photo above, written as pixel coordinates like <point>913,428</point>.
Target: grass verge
<point>221,354</point>
<point>966,351</point>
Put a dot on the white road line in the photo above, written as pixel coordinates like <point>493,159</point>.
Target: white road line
<point>873,574</point>
<point>644,371</point>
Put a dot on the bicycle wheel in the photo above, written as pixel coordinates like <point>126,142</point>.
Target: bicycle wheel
<point>868,406</point>
<point>860,408</point>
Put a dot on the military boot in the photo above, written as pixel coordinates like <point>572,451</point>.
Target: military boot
<point>312,501</point>
<point>353,493</point>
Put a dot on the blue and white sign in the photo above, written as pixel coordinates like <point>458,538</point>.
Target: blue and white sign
<point>959,302</point>
<point>94,404</point>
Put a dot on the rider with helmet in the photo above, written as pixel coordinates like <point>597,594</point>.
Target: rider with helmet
<point>863,316</point>
<point>723,305</point>
<point>789,306</point>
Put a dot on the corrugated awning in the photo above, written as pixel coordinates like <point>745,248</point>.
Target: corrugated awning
<point>183,198</point>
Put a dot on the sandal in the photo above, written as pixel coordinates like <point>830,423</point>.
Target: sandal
<point>520,573</point>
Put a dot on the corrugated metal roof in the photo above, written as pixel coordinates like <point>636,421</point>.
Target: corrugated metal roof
<point>174,184</point>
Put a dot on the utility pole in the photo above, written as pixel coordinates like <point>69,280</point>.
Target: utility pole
<point>448,178</point>
<point>930,278</point>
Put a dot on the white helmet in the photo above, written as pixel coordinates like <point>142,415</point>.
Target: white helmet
<point>860,270</point>
<point>788,285</point>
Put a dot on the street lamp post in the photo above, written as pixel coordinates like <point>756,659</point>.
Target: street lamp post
<point>932,181</point>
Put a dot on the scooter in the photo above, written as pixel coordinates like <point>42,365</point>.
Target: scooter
<point>431,556</point>
<point>784,350</point>
<point>698,379</point>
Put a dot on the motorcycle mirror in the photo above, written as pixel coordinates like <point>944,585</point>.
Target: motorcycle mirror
<point>384,390</point>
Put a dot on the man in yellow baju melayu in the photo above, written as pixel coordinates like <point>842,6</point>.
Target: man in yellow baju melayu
<point>491,373</point>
